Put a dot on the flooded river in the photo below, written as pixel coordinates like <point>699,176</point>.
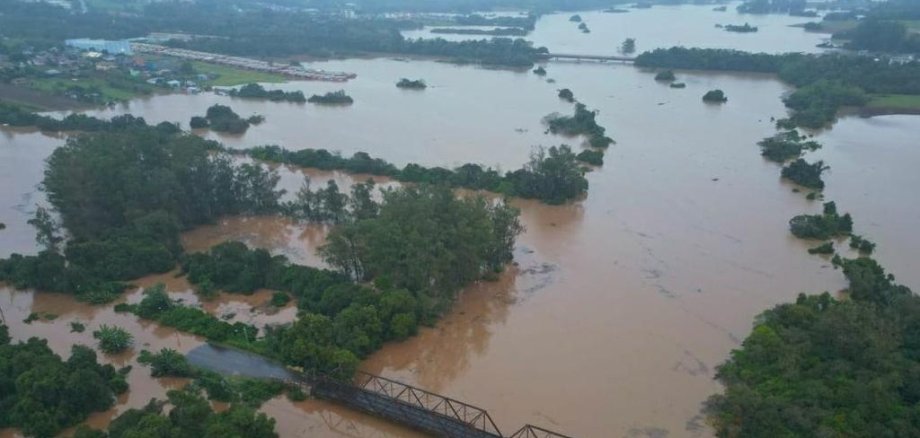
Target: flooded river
<point>662,27</point>
<point>620,306</point>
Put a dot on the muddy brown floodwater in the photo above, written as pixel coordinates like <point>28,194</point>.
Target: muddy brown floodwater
<point>620,306</point>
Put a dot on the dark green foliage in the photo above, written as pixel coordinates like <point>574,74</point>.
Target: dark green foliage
<point>77,327</point>
<point>745,28</point>
<point>628,46</point>
<point>591,157</point>
<point>824,248</point>
<point>332,98</point>
<point>539,71</point>
<point>166,363</point>
<point>124,196</point>
<point>881,36</point>
<point>417,84</point>
<point>295,394</point>
<point>256,91</point>
<point>870,283</point>
<point>113,340</point>
<point>824,226</point>
<point>191,416</point>
<point>678,85</point>
<point>717,96</point>
<point>815,105</point>
<point>575,18</point>
<point>230,267</point>
<point>199,122</point>
<point>805,174</point>
<point>861,244</point>
<point>41,394</point>
<point>666,75</point>
<point>553,176</point>
<point>413,222</point>
<point>567,95</point>
<point>221,118</point>
<point>523,183</point>
<point>786,146</point>
<point>15,116</point>
<point>156,305</point>
<point>280,299</point>
<point>583,122</point>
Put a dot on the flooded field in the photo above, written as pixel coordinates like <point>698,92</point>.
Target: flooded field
<point>620,306</point>
<point>687,25</point>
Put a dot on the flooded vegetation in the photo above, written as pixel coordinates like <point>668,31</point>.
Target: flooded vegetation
<point>618,306</point>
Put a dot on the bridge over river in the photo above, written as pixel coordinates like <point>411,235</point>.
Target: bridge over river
<point>389,399</point>
<point>582,57</point>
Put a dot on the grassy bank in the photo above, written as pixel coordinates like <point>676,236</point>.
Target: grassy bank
<point>906,102</point>
<point>229,76</point>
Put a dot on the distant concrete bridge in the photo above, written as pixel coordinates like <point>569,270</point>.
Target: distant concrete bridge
<point>600,58</point>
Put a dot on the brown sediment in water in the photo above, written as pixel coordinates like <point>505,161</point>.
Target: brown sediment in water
<point>622,304</point>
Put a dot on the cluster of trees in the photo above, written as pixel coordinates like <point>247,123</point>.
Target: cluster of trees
<point>716,96</point>
<point>329,205</point>
<point>665,76</point>
<point>124,196</point>
<point>628,47</point>
<point>552,175</point>
<point>221,118</point>
<point>861,244</point>
<point>744,28</point>
<point>256,91</point>
<point>332,98</point>
<point>785,146</point>
<point>815,105</point>
<point>826,82</point>
<point>190,415</point>
<point>583,122</point>
<point>822,226</point>
<point>567,95</point>
<point>417,84</point>
<point>41,394</point>
<point>157,306</point>
<point>826,367</point>
<point>15,116</point>
<point>805,174</point>
<point>419,246</point>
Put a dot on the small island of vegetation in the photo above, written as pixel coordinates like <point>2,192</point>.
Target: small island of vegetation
<point>665,76</point>
<point>575,18</point>
<point>332,98</point>
<point>745,28</point>
<point>715,96</point>
<point>628,47</point>
<point>567,95</point>
<point>222,118</point>
<point>678,85</point>
<point>583,27</point>
<point>539,71</point>
<point>581,123</point>
<point>256,91</point>
<point>805,174</point>
<point>786,146</point>
<point>822,226</point>
<point>409,84</point>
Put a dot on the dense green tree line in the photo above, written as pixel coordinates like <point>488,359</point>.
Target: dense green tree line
<point>552,175</point>
<point>822,226</point>
<point>41,394</point>
<point>190,415</point>
<point>124,196</point>
<point>256,91</point>
<point>332,98</point>
<point>826,82</point>
<point>826,367</point>
<point>15,116</point>
<point>417,84</point>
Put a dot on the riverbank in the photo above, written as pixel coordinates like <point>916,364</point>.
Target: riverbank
<point>891,104</point>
